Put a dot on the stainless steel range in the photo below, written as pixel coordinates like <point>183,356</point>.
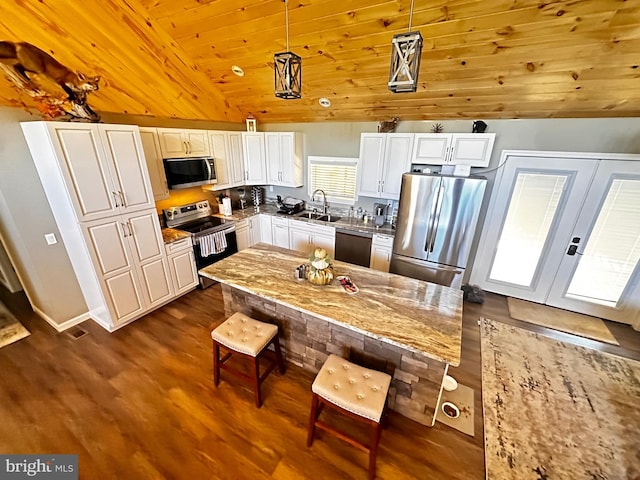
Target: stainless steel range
<point>213,238</point>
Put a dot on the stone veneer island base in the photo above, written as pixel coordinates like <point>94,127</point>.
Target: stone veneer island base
<point>408,328</point>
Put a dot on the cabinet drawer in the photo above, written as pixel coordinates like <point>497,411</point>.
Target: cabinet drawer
<point>178,245</point>
<point>283,222</point>
<point>383,240</point>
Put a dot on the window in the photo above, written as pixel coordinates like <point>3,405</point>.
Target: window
<point>336,176</point>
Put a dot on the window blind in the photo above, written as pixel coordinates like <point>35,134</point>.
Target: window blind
<point>336,176</point>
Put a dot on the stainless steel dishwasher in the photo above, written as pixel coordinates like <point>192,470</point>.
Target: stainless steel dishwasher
<point>353,246</point>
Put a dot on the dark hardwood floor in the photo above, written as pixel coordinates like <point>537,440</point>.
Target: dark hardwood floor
<point>140,403</point>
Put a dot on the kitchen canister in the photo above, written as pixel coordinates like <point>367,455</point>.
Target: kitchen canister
<point>226,206</point>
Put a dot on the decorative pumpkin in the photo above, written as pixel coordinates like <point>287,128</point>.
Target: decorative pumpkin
<point>321,270</point>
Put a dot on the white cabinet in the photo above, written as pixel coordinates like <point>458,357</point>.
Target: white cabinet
<point>248,232</point>
<point>96,182</point>
<point>305,237</point>
<point>255,167</point>
<point>384,157</point>
<point>153,156</point>
<point>280,232</point>
<point>178,143</point>
<point>104,167</point>
<point>226,148</point>
<point>284,159</point>
<point>473,149</point>
<point>381,249</point>
<point>265,229</point>
<point>182,266</point>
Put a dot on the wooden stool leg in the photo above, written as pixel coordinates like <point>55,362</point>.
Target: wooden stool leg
<point>216,363</point>
<point>256,381</point>
<point>312,419</point>
<point>276,344</point>
<point>373,451</point>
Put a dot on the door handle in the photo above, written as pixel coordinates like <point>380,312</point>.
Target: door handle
<point>572,250</point>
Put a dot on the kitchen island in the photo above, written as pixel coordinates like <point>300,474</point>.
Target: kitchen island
<point>413,328</point>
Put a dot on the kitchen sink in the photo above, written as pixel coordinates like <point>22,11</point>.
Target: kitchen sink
<point>319,216</point>
<point>329,218</point>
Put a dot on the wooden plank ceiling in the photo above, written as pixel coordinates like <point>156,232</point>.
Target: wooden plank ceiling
<point>481,59</point>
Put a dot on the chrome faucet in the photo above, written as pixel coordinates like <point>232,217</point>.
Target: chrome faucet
<point>325,207</point>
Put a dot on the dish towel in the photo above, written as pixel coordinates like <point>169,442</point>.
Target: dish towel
<point>212,244</point>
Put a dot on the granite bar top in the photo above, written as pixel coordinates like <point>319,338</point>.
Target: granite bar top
<point>419,316</point>
<point>170,235</point>
<point>344,223</point>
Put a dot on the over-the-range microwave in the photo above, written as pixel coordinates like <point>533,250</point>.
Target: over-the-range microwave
<point>189,172</point>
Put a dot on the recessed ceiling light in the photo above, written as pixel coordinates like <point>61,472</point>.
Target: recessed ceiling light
<point>237,70</point>
<point>325,102</point>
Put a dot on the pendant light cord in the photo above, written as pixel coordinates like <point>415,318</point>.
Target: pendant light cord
<point>286,16</point>
<point>410,15</point>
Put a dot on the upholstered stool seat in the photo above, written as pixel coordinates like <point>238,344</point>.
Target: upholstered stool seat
<point>249,338</point>
<point>355,391</point>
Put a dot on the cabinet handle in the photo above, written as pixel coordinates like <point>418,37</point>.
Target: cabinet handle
<point>382,189</point>
<point>186,148</point>
<point>115,196</point>
<point>190,148</point>
<point>130,228</point>
<point>122,200</point>
<point>246,174</point>
<point>124,232</point>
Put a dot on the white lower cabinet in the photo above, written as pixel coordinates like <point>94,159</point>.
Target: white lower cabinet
<point>304,237</point>
<point>280,232</point>
<point>265,229</point>
<point>381,249</point>
<point>182,266</point>
<point>248,232</point>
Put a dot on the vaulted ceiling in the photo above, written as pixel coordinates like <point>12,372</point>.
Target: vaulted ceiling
<point>481,59</point>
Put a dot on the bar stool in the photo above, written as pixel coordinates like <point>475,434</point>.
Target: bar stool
<point>249,339</point>
<point>355,391</point>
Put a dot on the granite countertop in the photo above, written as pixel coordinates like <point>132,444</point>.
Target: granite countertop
<point>344,223</point>
<point>419,316</point>
<point>170,235</point>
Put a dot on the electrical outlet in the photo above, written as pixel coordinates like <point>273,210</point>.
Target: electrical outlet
<point>270,188</point>
<point>51,239</point>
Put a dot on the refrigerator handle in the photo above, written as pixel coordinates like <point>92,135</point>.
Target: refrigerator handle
<point>436,220</point>
<point>432,216</point>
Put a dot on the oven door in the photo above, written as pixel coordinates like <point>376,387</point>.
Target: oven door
<point>201,262</point>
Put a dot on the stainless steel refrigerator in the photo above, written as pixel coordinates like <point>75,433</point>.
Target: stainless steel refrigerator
<point>436,222</point>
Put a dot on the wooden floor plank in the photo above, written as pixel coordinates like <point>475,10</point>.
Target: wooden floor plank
<point>140,403</point>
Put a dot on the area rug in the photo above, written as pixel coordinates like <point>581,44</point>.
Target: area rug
<point>553,410</point>
<point>558,319</point>
<point>11,330</point>
<point>462,397</point>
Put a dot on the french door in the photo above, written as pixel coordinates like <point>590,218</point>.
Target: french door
<point>565,232</point>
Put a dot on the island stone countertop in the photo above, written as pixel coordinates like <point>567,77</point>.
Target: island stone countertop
<point>418,316</point>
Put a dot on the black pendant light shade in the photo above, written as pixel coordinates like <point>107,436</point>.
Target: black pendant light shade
<point>288,75</point>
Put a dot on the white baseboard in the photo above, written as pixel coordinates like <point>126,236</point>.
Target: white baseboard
<point>61,327</point>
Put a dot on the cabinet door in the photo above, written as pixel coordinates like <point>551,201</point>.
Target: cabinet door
<point>197,143</point>
<point>85,167</point>
<point>183,271</point>
<point>237,158</point>
<point>254,230</point>
<point>265,229</point>
<point>273,158</point>
<point>172,143</point>
<point>122,144</point>
<point>290,160</point>
<point>431,148</point>
<point>473,149</point>
<point>107,241</point>
<point>155,278</point>
<point>220,150</point>
<point>299,239</point>
<point>380,258</point>
<point>280,234</point>
<point>145,235</point>
<point>123,296</point>
<point>243,235</point>
<point>254,158</point>
<point>397,160</point>
<point>370,164</point>
<point>153,156</point>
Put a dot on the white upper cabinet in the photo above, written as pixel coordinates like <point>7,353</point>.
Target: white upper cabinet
<point>473,149</point>
<point>153,156</point>
<point>384,157</point>
<point>104,167</point>
<point>284,159</point>
<point>178,143</point>
<point>226,148</point>
<point>255,167</point>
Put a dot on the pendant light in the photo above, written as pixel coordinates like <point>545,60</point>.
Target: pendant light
<point>406,50</point>
<point>288,69</point>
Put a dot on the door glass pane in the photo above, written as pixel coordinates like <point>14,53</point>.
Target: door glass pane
<point>613,249</point>
<point>532,208</point>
